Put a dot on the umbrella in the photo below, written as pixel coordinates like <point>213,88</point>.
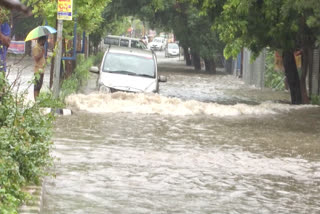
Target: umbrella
<point>40,31</point>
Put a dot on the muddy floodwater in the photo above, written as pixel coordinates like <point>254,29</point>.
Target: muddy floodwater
<point>205,144</point>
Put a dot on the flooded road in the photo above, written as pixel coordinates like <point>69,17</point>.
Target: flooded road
<point>205,144</point>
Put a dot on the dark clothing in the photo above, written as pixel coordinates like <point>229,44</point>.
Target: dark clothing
<point>5,30</point>
<point>38,83</point>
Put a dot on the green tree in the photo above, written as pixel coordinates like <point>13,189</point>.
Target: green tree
<point>282,25</point>
<point>192,29</point>
<point>87,13</point>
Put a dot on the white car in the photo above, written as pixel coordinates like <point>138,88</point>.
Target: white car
<point>157,43</point>
<point>172,49</point>
<point>124,42</point>
<point>128,70</point>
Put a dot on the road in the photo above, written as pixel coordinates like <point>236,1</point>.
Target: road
<point>205,144</point>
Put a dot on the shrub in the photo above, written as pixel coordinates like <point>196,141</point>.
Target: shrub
<point>25,142</point>
<point>46,99</point>
<point>315,99</point>
<point>80,75</point>
<point>273,79</point>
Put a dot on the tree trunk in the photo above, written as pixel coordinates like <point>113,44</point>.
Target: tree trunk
<point>51,72</point>
<point>210,66</point>
<point>96,50</point>
<point>196,61</point>
<point>187,56</point>
<point>310,62</point>
<point>228,66</point>
<point>304,72</point>
<point>52,60</point>
<point>292,76</point>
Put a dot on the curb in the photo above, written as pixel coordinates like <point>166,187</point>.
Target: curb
<point>63,112</point>
<point>34,205</point>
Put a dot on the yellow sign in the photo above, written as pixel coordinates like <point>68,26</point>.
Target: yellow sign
<point>64,10</point>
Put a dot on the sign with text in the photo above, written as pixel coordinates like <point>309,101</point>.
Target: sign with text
<point>64,10</point>
<point>17,47</point>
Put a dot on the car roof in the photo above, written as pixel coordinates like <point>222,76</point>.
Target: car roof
<point>123,37</point>
<point>130,51</point>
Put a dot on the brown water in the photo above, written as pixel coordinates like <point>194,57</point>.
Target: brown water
<point>191,149</point>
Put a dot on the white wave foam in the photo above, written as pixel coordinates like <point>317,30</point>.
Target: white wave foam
<point>157,104</point>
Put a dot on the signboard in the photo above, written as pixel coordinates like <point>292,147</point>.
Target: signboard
<point>64,10</point>
<point>279,63</point>
<point>17,47</point>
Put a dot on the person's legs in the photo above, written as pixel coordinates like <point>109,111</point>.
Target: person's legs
<point>37,87</point>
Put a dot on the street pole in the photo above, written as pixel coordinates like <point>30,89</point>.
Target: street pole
<point>57,62</point>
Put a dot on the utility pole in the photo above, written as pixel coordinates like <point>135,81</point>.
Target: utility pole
<point>64,12</point>
<point>57,62</point>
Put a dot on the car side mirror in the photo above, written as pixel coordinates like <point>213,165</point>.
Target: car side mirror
<point>94,69</point>
<point>162,79</point>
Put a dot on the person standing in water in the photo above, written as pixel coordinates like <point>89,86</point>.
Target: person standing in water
<point>38,53</point>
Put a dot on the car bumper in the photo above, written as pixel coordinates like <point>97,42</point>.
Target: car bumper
<point>155,48</point>
<point>173,54</point>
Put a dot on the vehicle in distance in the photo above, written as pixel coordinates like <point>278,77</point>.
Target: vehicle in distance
<point>172,49</point>
<point>128,70</point>
<point>158,43</point>
<point>124,42</point>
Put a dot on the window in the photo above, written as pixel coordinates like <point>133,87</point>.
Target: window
<point>138,44</point>
<point>173,46</point>
<point>124,43</point>
<point>111,41</point>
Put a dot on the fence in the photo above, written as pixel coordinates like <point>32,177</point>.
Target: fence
<point>253,72</point>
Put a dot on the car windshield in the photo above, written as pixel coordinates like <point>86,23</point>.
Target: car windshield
<point>157,40</point>
<point>173,46</point>
<point>129,65</point>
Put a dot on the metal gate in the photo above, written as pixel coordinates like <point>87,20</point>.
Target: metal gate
<point>253,72</point>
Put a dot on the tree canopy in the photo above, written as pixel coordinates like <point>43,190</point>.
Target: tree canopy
<point>87,13</point>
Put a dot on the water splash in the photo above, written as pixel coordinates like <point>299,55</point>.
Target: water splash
<point>157,104</point>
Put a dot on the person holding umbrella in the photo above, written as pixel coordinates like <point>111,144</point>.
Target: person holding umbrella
<point>38,53</point>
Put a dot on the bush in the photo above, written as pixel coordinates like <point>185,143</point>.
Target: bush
<point>273,79</point>
<point>25,142</point>
<point>315,99</point>
<point>80,75</point>
<point>47,100</point>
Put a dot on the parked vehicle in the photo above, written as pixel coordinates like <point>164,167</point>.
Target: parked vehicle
<point>158,43</point>
<point>129,70</point>
<point>124,42</point>
<point>172,49</point>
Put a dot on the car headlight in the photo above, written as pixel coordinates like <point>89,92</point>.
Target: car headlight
<point>104,89</point>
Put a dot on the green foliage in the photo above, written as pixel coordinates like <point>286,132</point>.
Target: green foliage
<point>86,12</point>
<point>47,100</point>
<point>273,79</point>
<point>80,75</point>
<point>25,136</point>
<point>282,25</point>
<point>315,99</point>
<point>182,17</point>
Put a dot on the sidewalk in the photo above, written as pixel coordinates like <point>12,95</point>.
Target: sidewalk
<point>20,69</point>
